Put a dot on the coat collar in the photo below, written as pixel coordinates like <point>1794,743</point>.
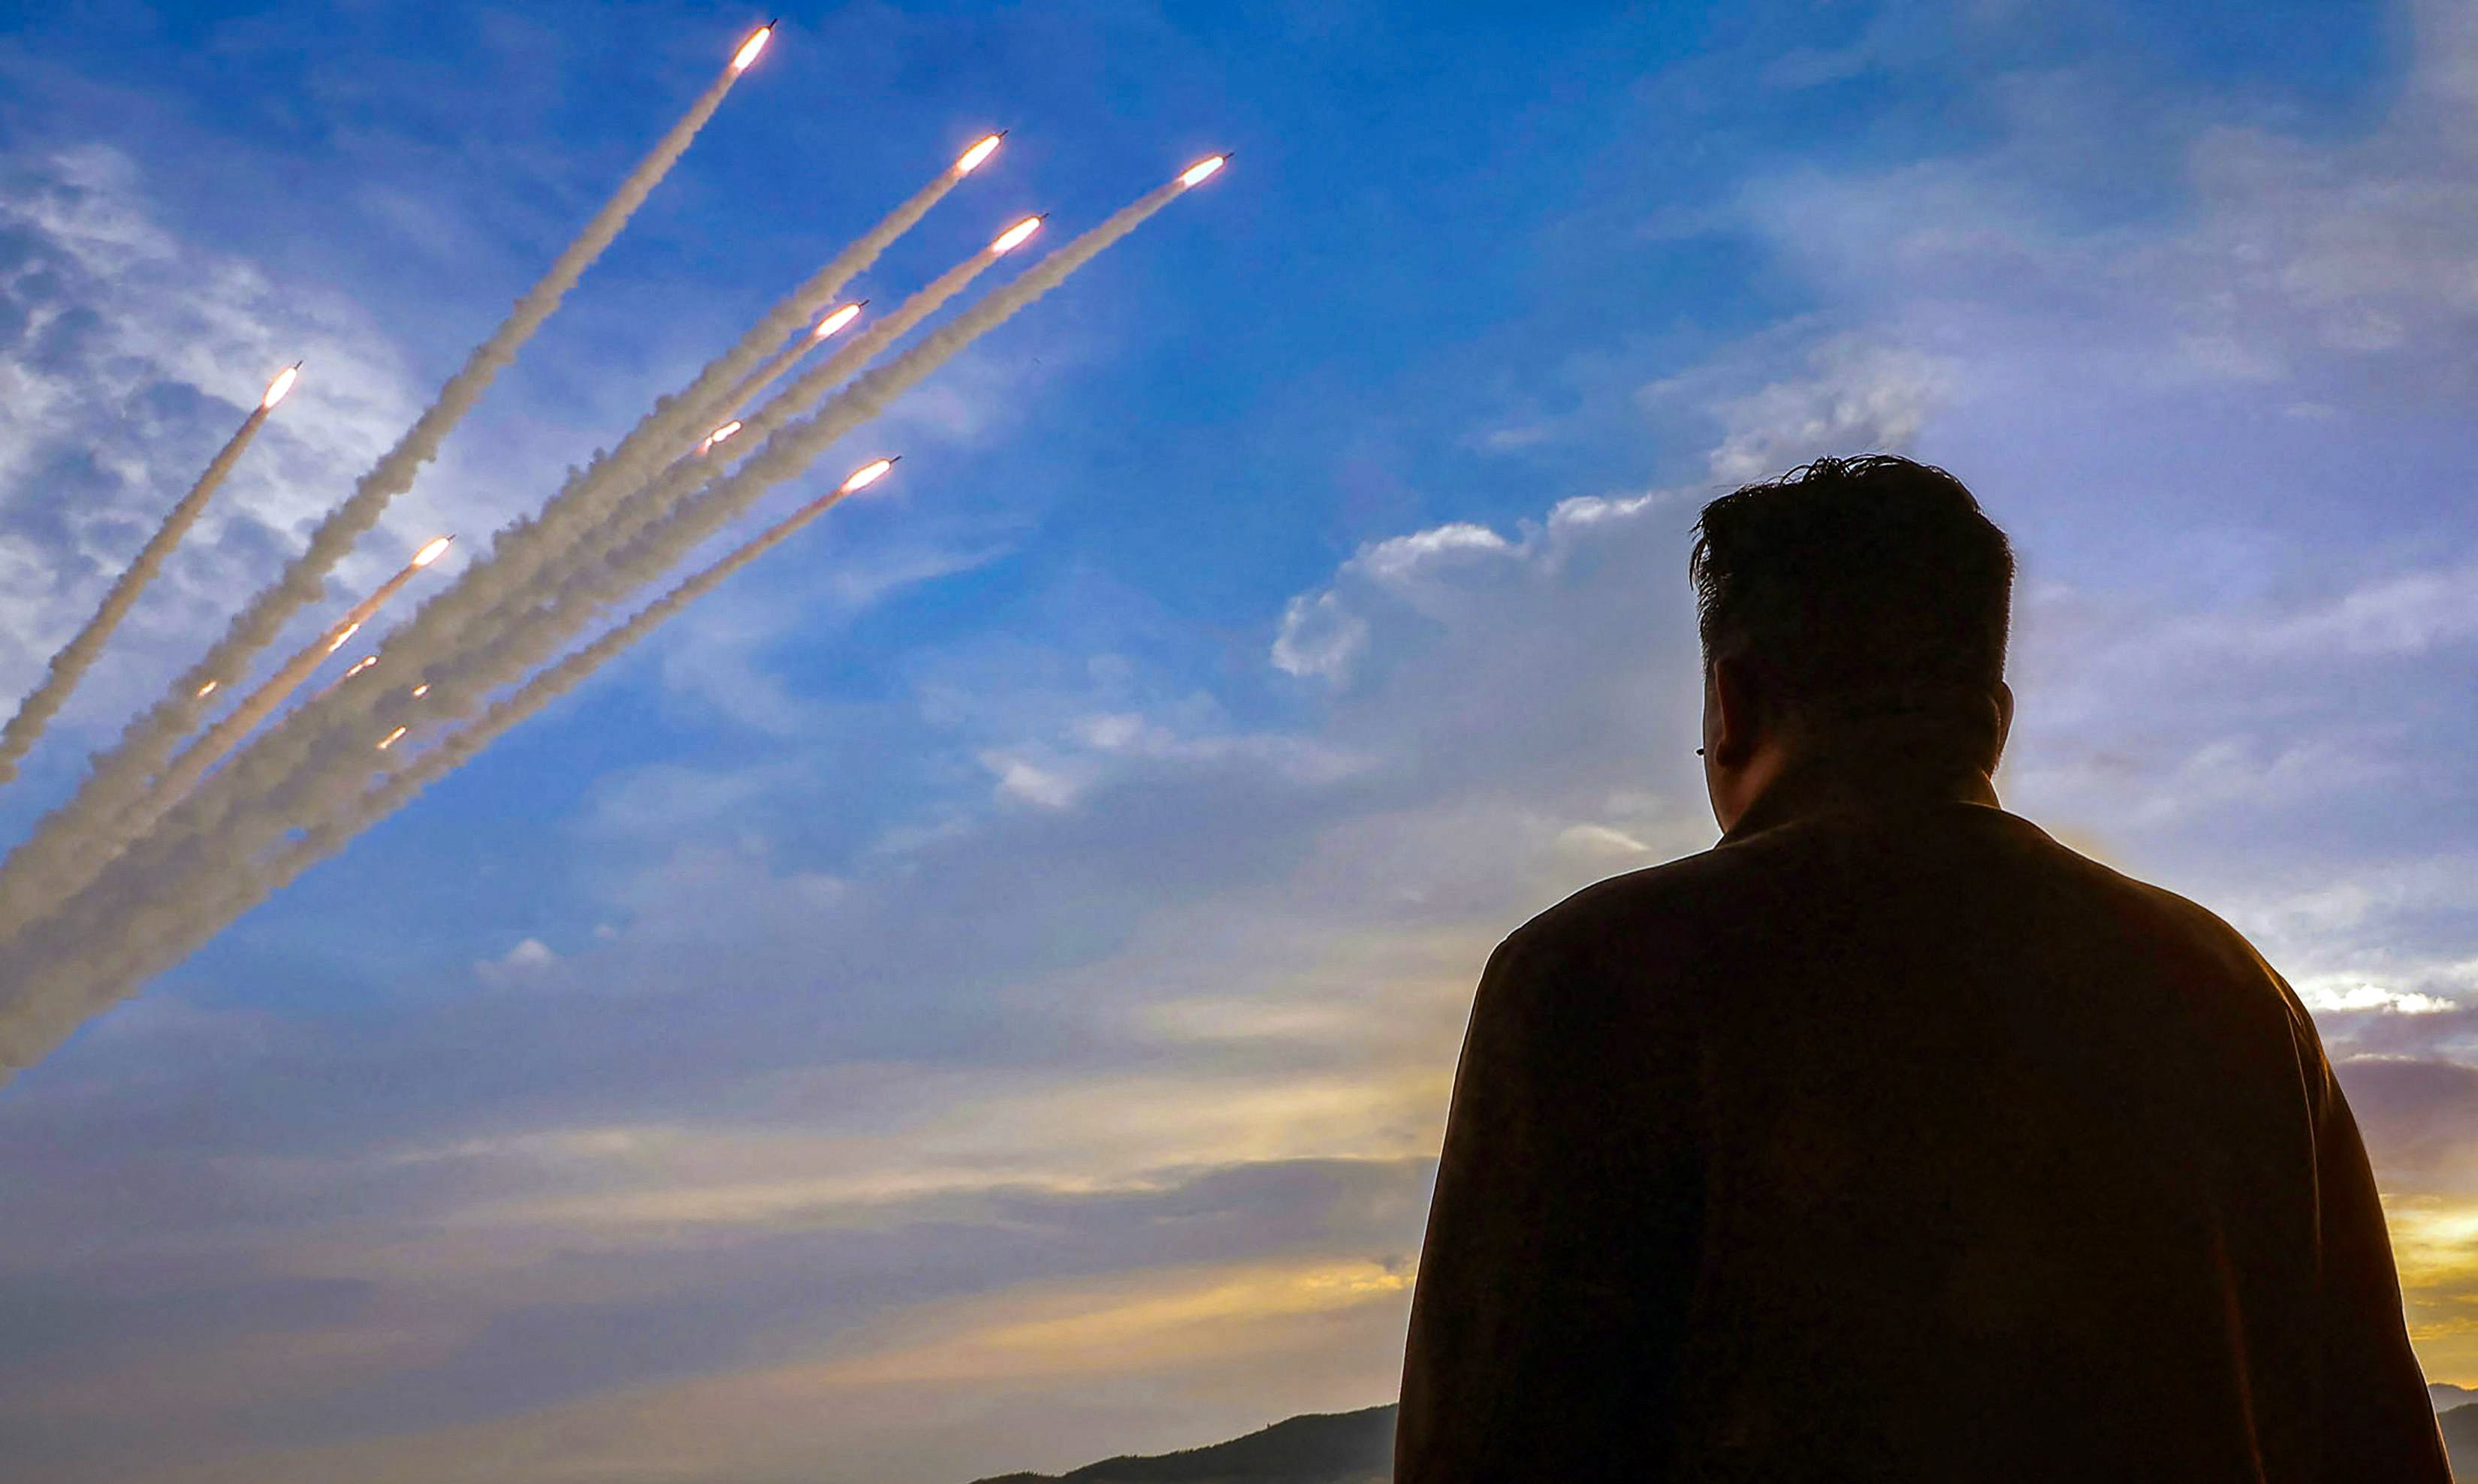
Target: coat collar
<point>1820,786</point>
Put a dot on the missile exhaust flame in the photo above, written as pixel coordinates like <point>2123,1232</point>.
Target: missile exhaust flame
<point>283,383</point>
<point>838,319</point>
<point>970,160</point>
<point>866,475</point>
<point>749,48</point>
<point>1203,169</point>
<point>1015,236</point>
<point>392,738</point>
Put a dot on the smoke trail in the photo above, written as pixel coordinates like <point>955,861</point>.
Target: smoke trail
<point>191,765</point>
<point>71,664</point>
<point>507,575</point>
<point>517,555</point>
<point>550,684</point>
<point>642,506</point>
<point>36,1014</point>
<point>458,684</point>
<point>71,840</point>
<point>795,311</point>
<point>181,883</point>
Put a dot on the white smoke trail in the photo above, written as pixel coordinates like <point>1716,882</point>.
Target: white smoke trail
<point>185,880</point>
<point>113,968</point>
<point>504,578</point>
<point>68,667</point>
<point>642,507</point>
<point>556,681</point>
<point>73,842</point>
<point>439,622</point>
<point>185,769</point>
<point>795,311</point>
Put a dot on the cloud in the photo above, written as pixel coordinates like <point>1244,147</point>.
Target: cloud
<point>527,959</point>
<point>1318,638</point>
<point>127,356</point>
<point>1861,398</point>
<point>2340,995</point>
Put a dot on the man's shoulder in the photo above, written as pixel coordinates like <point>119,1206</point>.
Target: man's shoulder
<point>1657,903</point>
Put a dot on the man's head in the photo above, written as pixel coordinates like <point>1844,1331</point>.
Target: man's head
<point>1852,611</point>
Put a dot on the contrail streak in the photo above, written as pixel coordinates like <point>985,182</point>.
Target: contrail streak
<point>793,313</point>
<point>37,1014</point>
<point>73,840</point>
<point>191,765</point>
<point>425,646</point>
<point>183,880</point>
<point>650,502</point>
<point>504,577</point>
<point>71,664</point>
<point>559,679</point>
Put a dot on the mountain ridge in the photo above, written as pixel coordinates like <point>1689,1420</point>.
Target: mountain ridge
<point>1316,1448</point>
<point>1357,1447</point>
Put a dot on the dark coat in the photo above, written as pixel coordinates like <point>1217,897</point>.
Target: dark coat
<point>1892,1139</point>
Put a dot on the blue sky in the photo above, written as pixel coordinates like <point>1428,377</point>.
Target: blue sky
<point>978,991</point>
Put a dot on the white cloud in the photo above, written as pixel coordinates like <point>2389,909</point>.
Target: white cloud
<point>2343,995</point>
<point>1859,397</point>
<point>1023,781</point>
<point>1318,638</point>
<point>526,960</point>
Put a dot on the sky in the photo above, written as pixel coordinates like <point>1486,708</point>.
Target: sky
<point>980,990</point>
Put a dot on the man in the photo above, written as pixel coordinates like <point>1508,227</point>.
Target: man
<point>1890,1139</point>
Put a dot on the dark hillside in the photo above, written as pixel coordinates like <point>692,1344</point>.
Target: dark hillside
<point>1338,1447</point>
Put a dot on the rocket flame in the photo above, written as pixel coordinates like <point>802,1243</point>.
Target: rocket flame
<point>1203,169</point>
<point>973,157</point>
<point>421,690</point>
<point>283,383</point>
<point>392,738</point>
<point>341,640</point>
<point>207,689</point>
<point>720,435</point>
<point>749,48</point>
<point>1013,236</point>
<point>838,319</point>
<point>361,665</point>
<point>432,550</point>
<point>866,475</point>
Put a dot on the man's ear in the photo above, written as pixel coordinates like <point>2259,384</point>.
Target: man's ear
<point>1737,707</point>
<point>2004,694</point>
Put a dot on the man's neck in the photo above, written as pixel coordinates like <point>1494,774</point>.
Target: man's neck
<point>1815,785</point>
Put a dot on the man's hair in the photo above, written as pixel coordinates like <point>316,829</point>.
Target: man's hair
<point>1861,591</point>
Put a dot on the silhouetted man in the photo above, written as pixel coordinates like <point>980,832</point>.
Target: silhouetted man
<point>1890,1139</point>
